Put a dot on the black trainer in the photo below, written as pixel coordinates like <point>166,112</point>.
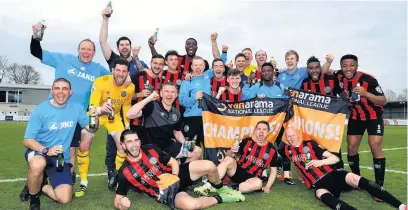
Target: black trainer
<point>34,206</point>
<point>24,194</point>
<point>112,180</point>
<point>289,181</point>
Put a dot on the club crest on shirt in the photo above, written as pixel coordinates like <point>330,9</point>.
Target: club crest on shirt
<point>378,89</point>
<point>153,160</point>
<point>174,116</point>
<point>327,89</point>
<point>186,128</point>
<point>123,93</point>
<point>266,156</point>
<point>341,84</point>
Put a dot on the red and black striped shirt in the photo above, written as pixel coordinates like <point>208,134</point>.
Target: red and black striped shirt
<point>326,85</point>
<point>215,85</point>
<point>363,109</point>
<point>176,79</point>
<point>139,80</point>
<point>307,151</point>
<point>254,158</point>
<point>184,64</point>
<point>142,175</point>
<point>230,97</point>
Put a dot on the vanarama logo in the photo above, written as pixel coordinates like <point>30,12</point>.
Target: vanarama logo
<point>249,107</point>
<point>310,97</point>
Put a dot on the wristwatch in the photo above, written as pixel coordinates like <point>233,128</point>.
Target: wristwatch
<point>45,151</point>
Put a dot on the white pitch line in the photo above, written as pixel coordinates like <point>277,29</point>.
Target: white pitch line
<point>24,179</point>
<point>386,170</point>
<point>104,174</point>
<point>390,149</point>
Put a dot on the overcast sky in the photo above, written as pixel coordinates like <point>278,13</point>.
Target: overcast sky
<point>375,31</point>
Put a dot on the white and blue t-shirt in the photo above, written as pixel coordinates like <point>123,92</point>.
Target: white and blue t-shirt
<point>52,126</point>
<point>81,75</point>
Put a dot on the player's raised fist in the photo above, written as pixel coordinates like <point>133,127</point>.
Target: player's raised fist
<point>214,36</point>
<point>225,48</point>
<point>36,27</point>
<point>106,11</point>
<point>136,50</point>
<point>329,57</point>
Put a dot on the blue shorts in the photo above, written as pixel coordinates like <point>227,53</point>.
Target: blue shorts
<point>76,139</point>
<point>56,178</point>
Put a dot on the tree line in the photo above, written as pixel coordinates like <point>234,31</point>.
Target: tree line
<point>15,73</point>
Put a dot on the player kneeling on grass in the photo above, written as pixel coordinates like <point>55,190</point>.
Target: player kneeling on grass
<point>315,166</point>
<point>255,154</point>
<point>149,170</point>
<point>48,135</point>
<point>109,94</point>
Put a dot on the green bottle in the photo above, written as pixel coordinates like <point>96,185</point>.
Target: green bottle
<point>92,119</point>
<point>60,161</point>
<point>40,33</point>
<point>236,141</point>
<point>193,143</point>
<point>109,6</point>
<point>155,34</point>
<point>111,115</point>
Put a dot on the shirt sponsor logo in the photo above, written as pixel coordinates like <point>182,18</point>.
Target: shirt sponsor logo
<point>73,72</point>
<point>55,126</point>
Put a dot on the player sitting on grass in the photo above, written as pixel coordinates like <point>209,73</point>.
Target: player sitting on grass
<point>255,154</point>
<point>149,170</point>
<point>315,167</point>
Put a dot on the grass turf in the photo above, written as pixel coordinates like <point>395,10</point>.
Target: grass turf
<point>281,196</point>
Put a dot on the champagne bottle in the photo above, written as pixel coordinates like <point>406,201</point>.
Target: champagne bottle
<point>60,161</point>
<point>109,6</point>
<point>111,115</point>
<point>92,119</point>
<point>40,33</point>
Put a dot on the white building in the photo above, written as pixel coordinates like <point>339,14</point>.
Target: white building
<point>20,99</point>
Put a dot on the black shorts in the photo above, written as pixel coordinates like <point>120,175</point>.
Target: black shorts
<point>184,175</point>
<point>194,126</point>
<point>334,182</point>
<point>76,139</point>
<point>358,127</point>
<point>241,175</point>
<point>174,149</point>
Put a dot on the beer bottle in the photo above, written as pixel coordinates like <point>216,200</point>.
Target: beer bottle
<point>111,115</point>
<point>155,34</point>
<point>60,161</point>
<point>193,143</point>
<point>185,149</point>
<point>109,6</point>
<point>92,119</point>
<point>40,33</point>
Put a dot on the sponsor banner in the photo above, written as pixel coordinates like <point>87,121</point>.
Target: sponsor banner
<point>318,117</point>
<point>395,122</point>
<point>222,121</point>
<point>9,118</point>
